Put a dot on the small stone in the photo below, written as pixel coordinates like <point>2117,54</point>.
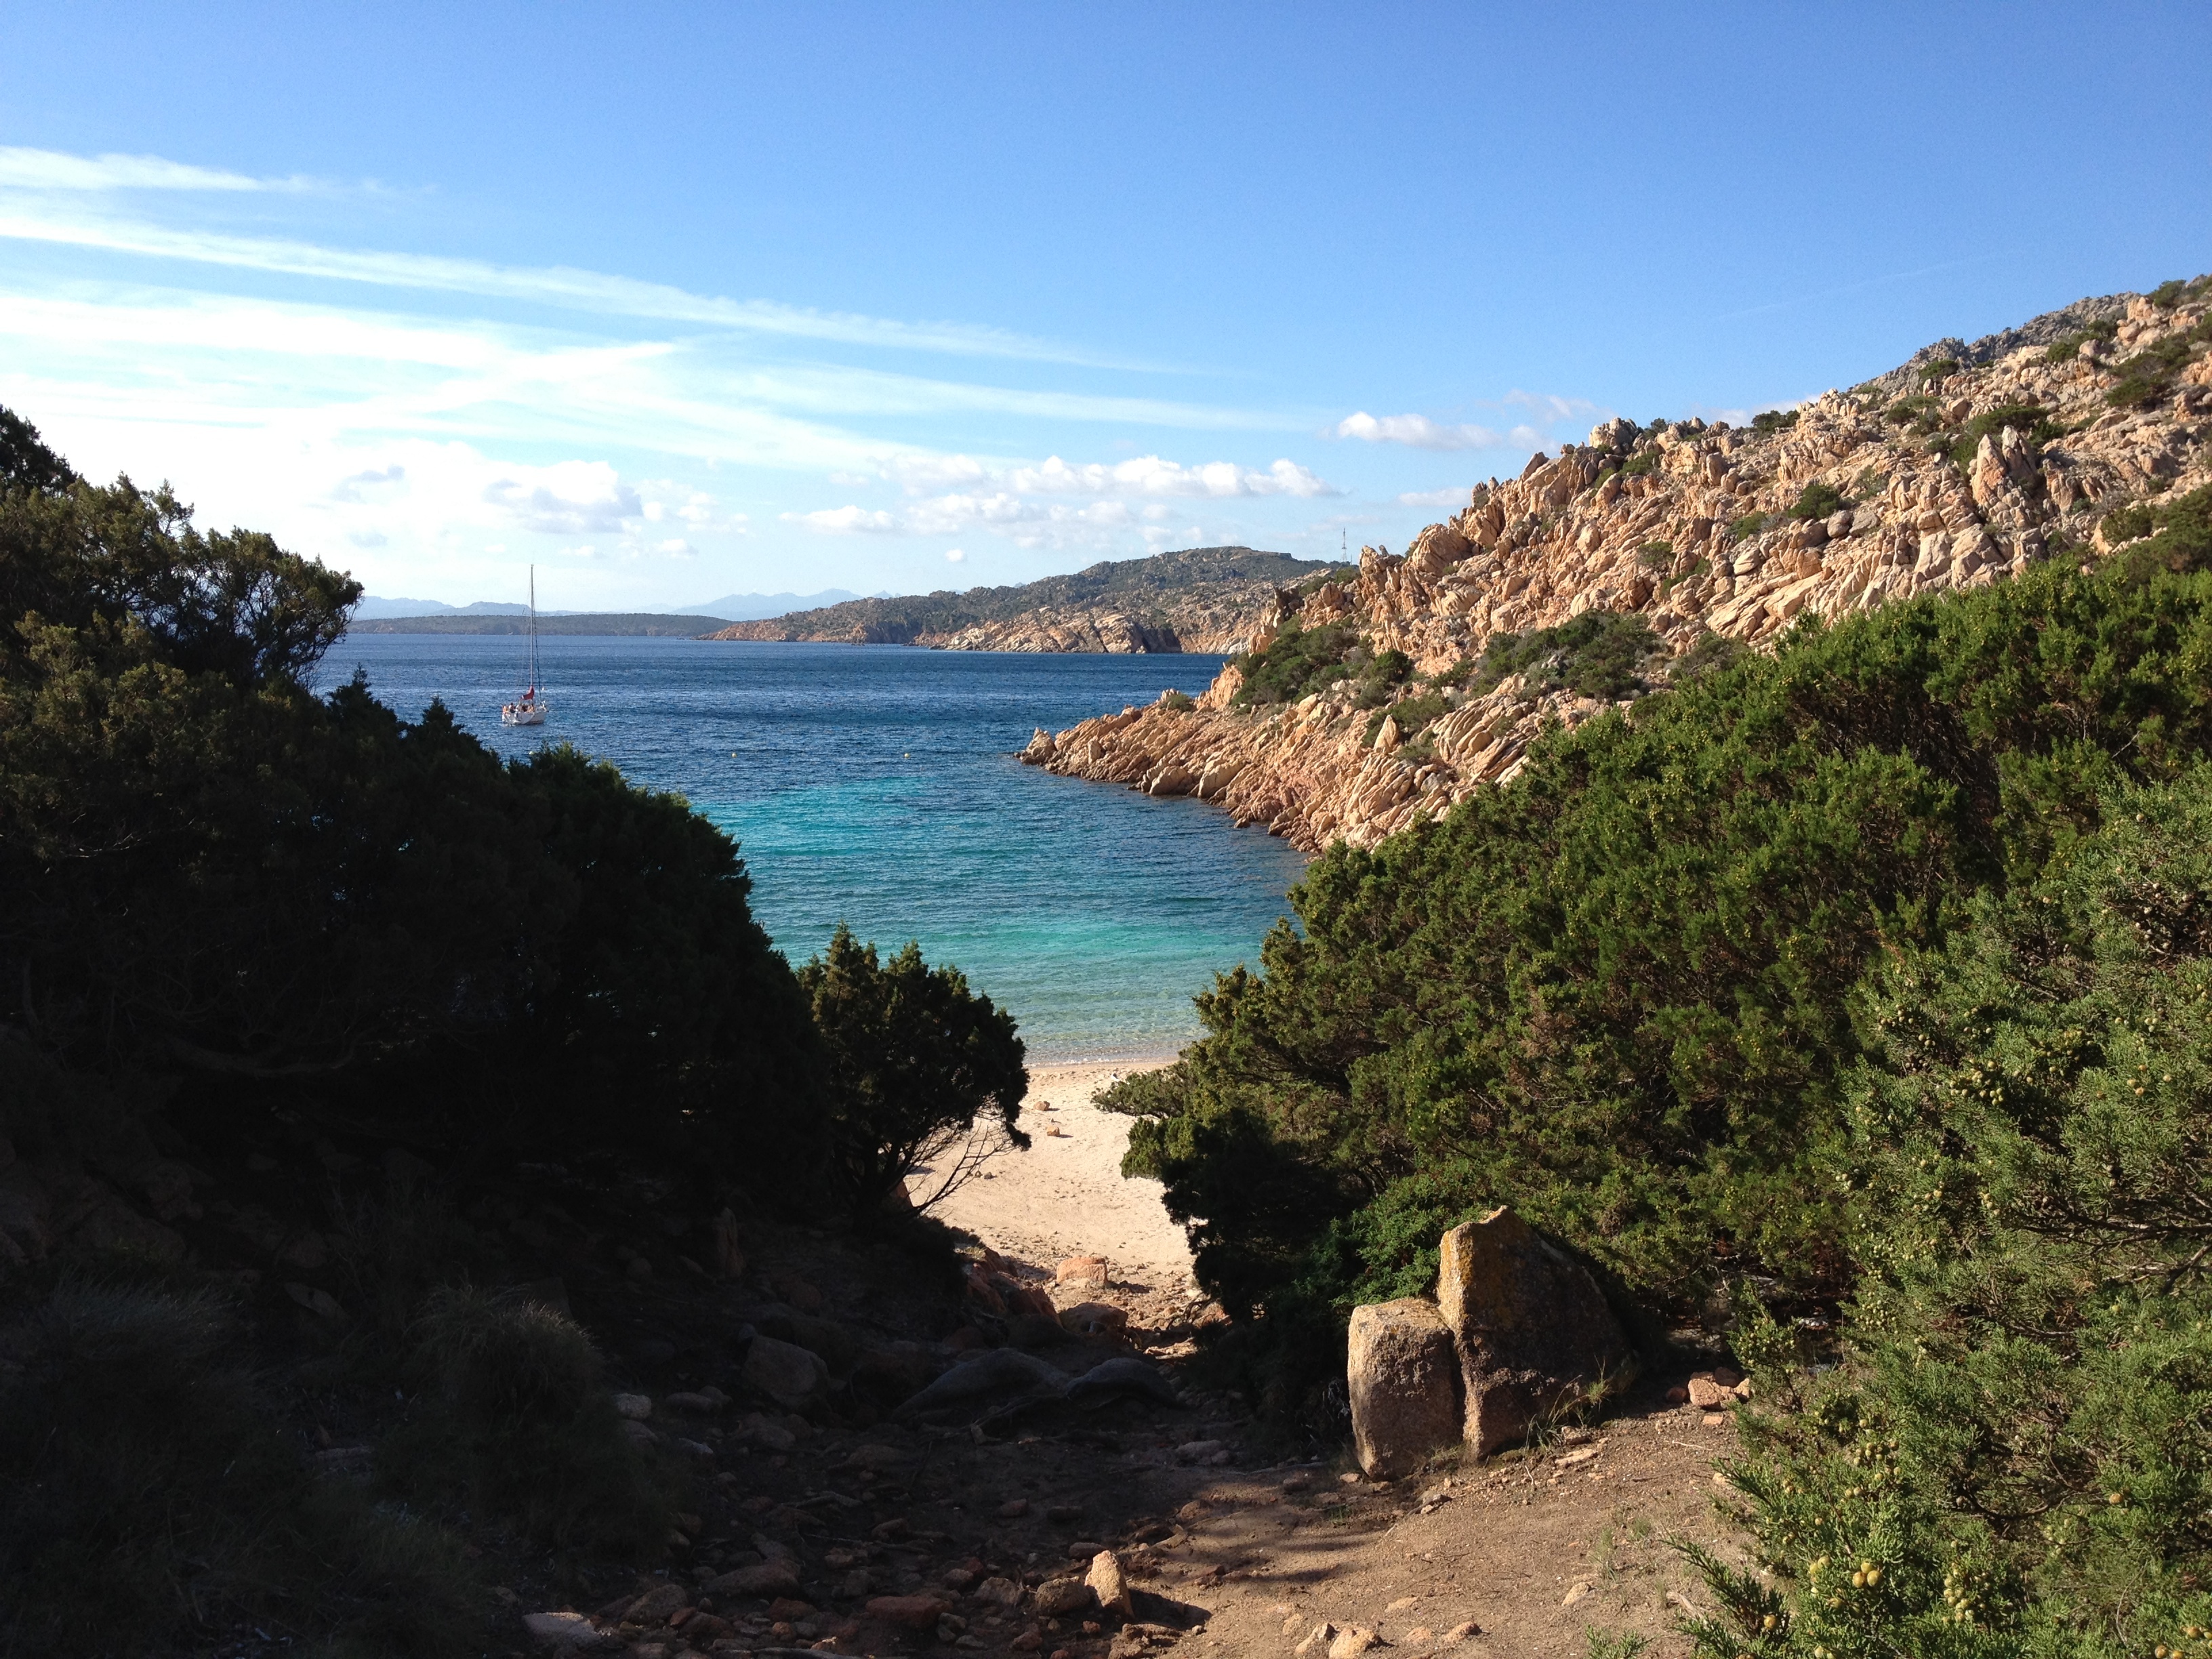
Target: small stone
<point>1352,1643</point>
<point>1197,1451</point>
<point>1417,1636</point>
<point>1056,1598</point>
<point>909,1612</point>
<point>570,1630</point>
<point>1576,1591</point>
<point>1461,1632</point>
<point>770,1578</point>
<point>1083,1550</point>
<point>1707,1393</point>
<point>698,1405</point>
<point>637,1434</point>
<point>1297,1483</point>
<point>1064,1512</point>
<point>1317,1642</point>
<point>1089,1272</point>
<point>1108,1583</point>
<point>999,1592</point>
<point>637,1407</point>
<point>1013,1509</point>
<point>1714,1420</point>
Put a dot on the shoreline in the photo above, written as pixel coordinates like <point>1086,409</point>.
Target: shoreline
<point>1066,1195</point>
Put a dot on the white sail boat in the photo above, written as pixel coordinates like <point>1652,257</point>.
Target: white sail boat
<point>531,708</point>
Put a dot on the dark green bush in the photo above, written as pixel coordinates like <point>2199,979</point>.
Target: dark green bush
<point>2032,421</point>
<point>915,1057</point>
<point>1615,993</point>
<point>1298,661</point>
<point>1599,654</point>
<point>1181,702</point>
<point>1642,462</point>
<point>1656,554</point>
<point>1939,368</point>
<point>515,1424</point>
<point>1380,677</point>
<point>2147,374</point>
<point>2017,1443</point>
<point>2066,349</point>
<point>1816,501</point>
<point>1746,525</point>
<point>1773,420</point>
<point>149,1502</point>
<point>221,879</point>
<point>1411,713</point>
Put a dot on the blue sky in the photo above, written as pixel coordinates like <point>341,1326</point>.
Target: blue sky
<point>679,300</point>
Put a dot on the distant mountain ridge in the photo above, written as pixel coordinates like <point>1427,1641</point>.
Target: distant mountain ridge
<point>633,623</point>
<point>1199,599</point>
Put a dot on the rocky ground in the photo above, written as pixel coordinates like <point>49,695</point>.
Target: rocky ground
<point>1957,470</point>
<point>1064,1484</point>
<point>1033,1519</point>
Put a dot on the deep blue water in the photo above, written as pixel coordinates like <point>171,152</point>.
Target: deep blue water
<point>876,785</point>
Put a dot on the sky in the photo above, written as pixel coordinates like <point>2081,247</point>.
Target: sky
<point>671,302</point>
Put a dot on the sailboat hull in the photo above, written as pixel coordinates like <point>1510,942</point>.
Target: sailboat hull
<point>524,713</point>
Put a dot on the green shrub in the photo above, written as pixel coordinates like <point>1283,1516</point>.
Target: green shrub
<point>1180,703</point>
<point>1746,525</point>
<point>1816,501</point>
<point>227,882</point>
<point>1380,677</point>
<point>2032,421</point>
<point>2168,295</point>
<point>915,1057</point>
<point>1774,420</point>
<point>1939,368</point>
<point>2066,349</point>
<point>149,1501</point>
<point>2016,1442</point>
<point>1615,993</point>
<point>515,1424</point>
<point>1643,462</point>
<point>1411,713</point>
<point>1656,554</point>
<point>1599,654</point>
<point>2147,374</point>
<point>1298,662</point>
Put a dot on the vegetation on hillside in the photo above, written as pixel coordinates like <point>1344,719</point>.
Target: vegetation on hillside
<point>1143,586</point>
<point>240,913</point>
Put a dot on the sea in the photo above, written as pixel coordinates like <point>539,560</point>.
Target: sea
<point>877,785</point>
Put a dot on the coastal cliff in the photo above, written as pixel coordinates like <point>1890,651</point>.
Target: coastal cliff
<point>1201,598</point>
<point>1957,470</point>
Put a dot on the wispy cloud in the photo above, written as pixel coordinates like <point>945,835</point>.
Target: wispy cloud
<point>23,168</point>
<point>1455,496</point>
<point>30,217</point>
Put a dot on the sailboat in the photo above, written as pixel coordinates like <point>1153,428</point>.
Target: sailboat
<point>530,708</point>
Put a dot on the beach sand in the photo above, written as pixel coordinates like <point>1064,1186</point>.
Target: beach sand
<point>1065,1195</point>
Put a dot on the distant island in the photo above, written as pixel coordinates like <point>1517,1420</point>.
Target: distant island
<point>1202,598</point>
<point>473,621</point>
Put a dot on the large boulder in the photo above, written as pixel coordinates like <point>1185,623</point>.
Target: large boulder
<point>1403,1367</point>
<point>791,1376</point>
<point>1532,1331</point>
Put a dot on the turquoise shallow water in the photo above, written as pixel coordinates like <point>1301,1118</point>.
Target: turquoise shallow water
<point>876,785</point>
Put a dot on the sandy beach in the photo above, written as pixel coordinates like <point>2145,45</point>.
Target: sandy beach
<point>1065,1195</point>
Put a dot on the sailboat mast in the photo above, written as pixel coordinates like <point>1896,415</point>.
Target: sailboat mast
<point>533,630</point>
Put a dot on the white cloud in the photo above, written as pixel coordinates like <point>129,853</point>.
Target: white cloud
<point>848,521</point>
<point>567,498</point>
<point>1149,475</point>
<point>1417,431</point>
<point>678,548</point>
<point>23,168</point>
<point>1455,496</point>
<point>955,556</point>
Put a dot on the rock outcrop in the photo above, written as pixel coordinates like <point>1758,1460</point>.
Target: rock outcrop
<point>1518,1332</point>
<point>1954,471</point>
<point>1533,1332</point>
<point>1403,1368</point>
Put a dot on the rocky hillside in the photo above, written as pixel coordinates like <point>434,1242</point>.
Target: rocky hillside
<point>1203,598</point>
<point>1372,703</point>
